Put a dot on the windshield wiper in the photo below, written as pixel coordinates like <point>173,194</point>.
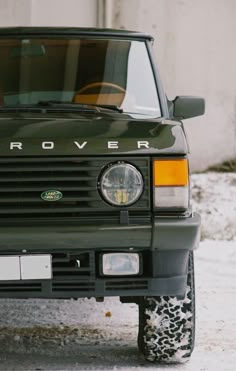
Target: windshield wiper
<point>66,105</point>
<point>49,106</point>
<point>108,106</point>
<point>60,105</point>
<point>53,103</point>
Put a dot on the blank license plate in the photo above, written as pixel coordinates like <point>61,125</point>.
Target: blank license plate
<point>26,267</point>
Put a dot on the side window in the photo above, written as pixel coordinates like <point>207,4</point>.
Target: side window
<point>140,81</point>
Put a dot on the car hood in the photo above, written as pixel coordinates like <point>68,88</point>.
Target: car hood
<point>32,134</point>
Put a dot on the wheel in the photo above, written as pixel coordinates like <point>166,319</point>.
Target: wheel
<point>167,325</point>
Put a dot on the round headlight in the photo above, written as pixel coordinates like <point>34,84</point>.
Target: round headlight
<point>121,184</point>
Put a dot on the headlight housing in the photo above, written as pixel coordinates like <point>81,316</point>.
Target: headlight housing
<point>121,184</point>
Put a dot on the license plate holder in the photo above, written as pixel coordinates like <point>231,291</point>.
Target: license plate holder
<point>9,268</point>
<point>26,267</point>
<point>36,267</point>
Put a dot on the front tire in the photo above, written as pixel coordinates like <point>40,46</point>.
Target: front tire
<point>167,325</point>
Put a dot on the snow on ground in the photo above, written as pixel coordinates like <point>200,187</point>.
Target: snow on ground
<point>85,335</point>
<point>214,197</point>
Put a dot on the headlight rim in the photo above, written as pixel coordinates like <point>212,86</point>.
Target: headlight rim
<point>108,167</point>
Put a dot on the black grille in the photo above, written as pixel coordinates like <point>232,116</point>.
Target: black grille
<point>23,181</point>
<point>73,266</point>
<point>17,287</point>
<point>73,286</point>
<point>127,284</point>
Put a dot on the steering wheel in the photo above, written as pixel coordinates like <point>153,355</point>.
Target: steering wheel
<point>100,84</point>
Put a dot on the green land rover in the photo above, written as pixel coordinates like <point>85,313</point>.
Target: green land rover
<point>94,190</point>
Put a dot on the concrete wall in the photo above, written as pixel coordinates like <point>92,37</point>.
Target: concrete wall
<point>78,13</point>
<point>195,48</point>
<point>15,13</point>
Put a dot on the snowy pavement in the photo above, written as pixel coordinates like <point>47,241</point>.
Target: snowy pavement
<point>85,335</point>
<point>214,197</point>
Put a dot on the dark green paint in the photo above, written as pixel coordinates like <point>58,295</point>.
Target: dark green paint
<point>164,137</point>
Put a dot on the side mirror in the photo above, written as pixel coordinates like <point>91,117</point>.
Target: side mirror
<point>185,107</point>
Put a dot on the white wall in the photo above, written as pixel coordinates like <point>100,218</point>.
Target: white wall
<point>195,46</point>
<point>78,13</point>
<point>15,13</point>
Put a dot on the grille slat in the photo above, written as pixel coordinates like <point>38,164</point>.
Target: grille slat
<point>47,186</point>
<point>20,287</point>
<point>130,284</point>
<point>52,178</point>
<point>23,180</point>
<point>73,287</point>
<point>37,210</point>
<point>69,269</point>
<point>39,200</point>
<point>40,168</point>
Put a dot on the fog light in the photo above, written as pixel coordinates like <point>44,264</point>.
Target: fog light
<point>120,264</point>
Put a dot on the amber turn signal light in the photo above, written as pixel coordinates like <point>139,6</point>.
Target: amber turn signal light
<point>170,172</point>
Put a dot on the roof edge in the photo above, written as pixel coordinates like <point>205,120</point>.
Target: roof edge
<point>82,31</point>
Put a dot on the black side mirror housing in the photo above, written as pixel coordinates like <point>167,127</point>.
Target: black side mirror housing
<point>185,107</point>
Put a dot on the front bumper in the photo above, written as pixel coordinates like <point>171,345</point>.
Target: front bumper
<point>160,234</point>
<point>164,245</point>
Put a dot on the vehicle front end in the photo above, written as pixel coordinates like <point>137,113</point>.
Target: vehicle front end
<point>95,186</point>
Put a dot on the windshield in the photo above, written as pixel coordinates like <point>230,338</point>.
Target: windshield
<point>79,71</point>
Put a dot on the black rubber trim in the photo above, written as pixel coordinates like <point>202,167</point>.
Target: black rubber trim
<point>173,286</point>
<point>72,31</point>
